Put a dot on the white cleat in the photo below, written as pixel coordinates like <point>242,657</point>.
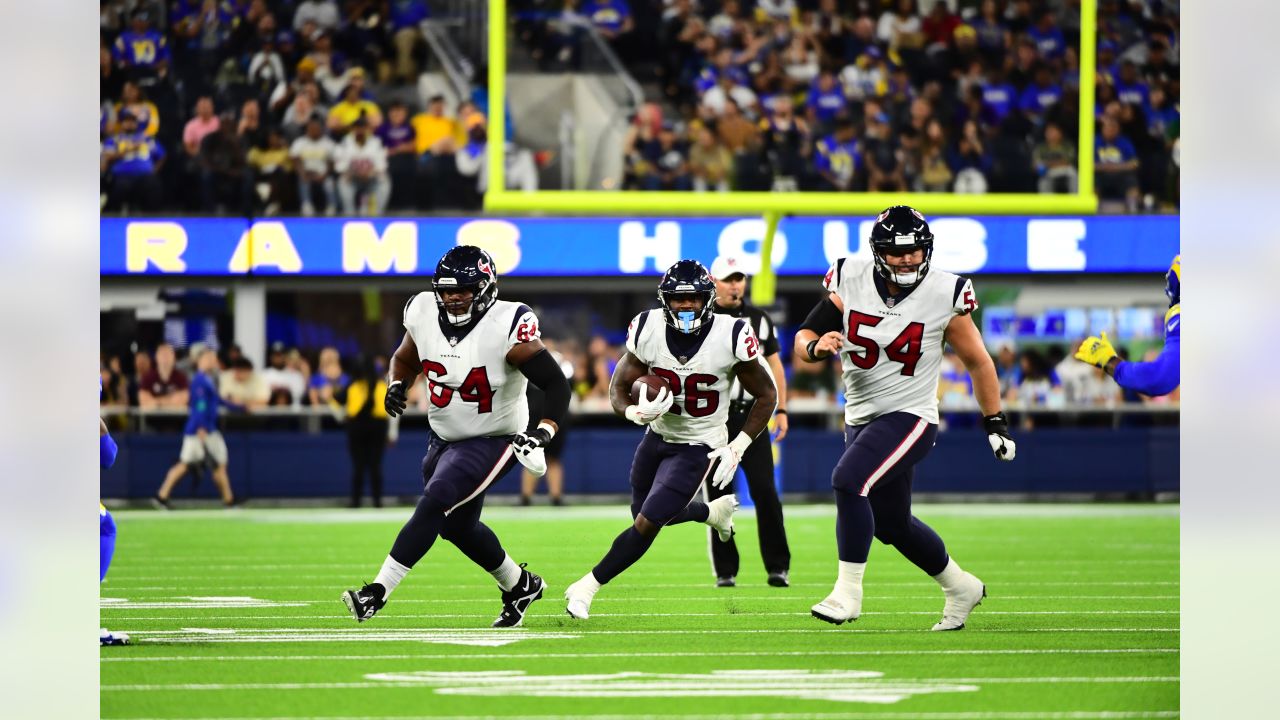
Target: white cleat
<point>960,602</point>
<point>578,598</point>
<point>720,515</point>
<point>837,609</point>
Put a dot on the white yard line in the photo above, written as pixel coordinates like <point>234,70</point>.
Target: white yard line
<point>718,654</point>
<point>719,596</point>
<point>153,687</point>
<point>1029,715</point>
<point>722,613</point>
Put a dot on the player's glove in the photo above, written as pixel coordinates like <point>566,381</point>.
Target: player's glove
<point>395,402</point>
<point>997,427</point>
<point>724,461</point>
<point>529,448</point>
<point>1096,351</point>
<point>648,410</point>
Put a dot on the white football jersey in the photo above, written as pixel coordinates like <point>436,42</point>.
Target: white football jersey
<point>701,408</point>
<point>473,391</point>
<point>892,352</point>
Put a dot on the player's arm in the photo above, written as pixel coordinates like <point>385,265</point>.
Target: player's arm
<point>405,366</point>
<point>820,336</point>
<point>1158,377</point>
<point>757,381</point>
<point>628,370</point>
<point>107,448</point>
<point>964,338</point>
<point>536,363</point>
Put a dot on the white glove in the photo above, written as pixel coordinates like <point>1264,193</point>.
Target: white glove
<point>528,448</point>
<point>646,411</point>
<point>1004,447</point>
<point>724,461</point>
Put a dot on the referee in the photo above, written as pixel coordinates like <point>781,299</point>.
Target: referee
<point>757,461</point>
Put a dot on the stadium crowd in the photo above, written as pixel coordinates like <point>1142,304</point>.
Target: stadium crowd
<point>265,107</point>
<point>966,96</point>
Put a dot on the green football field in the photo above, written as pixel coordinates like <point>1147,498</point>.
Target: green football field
<point>237,615</point>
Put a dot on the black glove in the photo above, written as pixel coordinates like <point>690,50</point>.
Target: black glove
<point>395,401</point>
<point>997,427</point>
<point>527,442</point>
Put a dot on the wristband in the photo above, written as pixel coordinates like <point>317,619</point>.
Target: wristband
<point>780,411</point>
<point>809,349</point>
<point>740,444</point>
<point>549,428</point>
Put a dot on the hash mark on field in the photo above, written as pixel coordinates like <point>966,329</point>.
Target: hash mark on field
<point>727,653</point>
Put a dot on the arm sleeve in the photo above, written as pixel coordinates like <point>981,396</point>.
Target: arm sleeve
<point>543,371</point>
<point>823,318</point>
<point>746,346</point>
<point>1158,377</point>
<point>107,450</point>
<point>634,331</point>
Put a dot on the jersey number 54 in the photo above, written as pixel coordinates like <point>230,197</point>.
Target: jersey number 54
<point>904,349</point>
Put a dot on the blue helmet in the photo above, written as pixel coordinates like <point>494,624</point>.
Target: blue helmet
<point>466,267</point>
<point>687,277</point>
<point>1173,281</point>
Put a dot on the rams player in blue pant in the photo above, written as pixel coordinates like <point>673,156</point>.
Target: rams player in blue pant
<point>1160,376</point>
<point>107,543</point>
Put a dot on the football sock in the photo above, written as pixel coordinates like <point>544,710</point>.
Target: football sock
<point>950,576</point>
<point>693,512</point>
<point>590,582</point>
<point>922,546</point>
<point>390,576</point>
<point>420,533</point>
<point>629,547</point>
<point>507,574</point>
<point>479,544</point>
<point>849,579</point>
<point>855,526</point>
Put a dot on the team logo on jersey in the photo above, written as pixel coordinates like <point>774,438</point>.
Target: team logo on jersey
<point>890,302</point>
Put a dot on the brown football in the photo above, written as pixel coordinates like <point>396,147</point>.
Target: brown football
<point>654,382</point>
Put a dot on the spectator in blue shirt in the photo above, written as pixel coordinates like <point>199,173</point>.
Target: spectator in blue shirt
<point>406,16</point>
<point>994,38</point>
<point>129,164</point>
<point>1047,36</point>
<point>1115,166</point>
<point>201,442</point>
<point>999,94</point>
<point>826,100</point>
<point>612,19</point>
<point>141,51</point>
<point>1130,89</point>
<point>1040,95</point>
<point>837,159</point>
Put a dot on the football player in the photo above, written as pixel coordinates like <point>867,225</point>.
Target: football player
<point>1160,376</point>
<point>477,353</point>
<point>107,450</point>
<point>686,440</point>
<point>888,319</point>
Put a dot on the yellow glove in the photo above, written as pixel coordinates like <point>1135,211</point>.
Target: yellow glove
<point>1096,351</point>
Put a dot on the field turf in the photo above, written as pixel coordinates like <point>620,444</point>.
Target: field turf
<point>237,615</point>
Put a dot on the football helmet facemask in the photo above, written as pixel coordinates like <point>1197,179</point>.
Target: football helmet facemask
<point>465,267</point>
<point>901,229</point>
<point>687,278</point>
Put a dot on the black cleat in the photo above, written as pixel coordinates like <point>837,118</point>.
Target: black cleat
<point>365,602</point>
<point>160,503</point>
<point>779,579</point>
<point>726,581</point>
<point>516,601</point>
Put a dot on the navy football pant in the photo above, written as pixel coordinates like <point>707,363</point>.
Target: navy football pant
<point>665,477</point>
<point>872,484</point>
<point>456,476</point>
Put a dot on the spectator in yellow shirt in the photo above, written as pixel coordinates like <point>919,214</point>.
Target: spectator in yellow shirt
<point>353,107</point>
<point>137,105</point>
<point>435,137</point>
<point>369,430</point>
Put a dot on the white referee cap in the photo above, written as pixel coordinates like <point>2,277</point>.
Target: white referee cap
<point>724,266</point>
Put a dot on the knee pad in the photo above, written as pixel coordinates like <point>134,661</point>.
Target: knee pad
<point>844,480</point>
<point>439,497</point>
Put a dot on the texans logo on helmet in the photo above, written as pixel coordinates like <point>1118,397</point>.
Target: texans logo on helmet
<point>483,266</point>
